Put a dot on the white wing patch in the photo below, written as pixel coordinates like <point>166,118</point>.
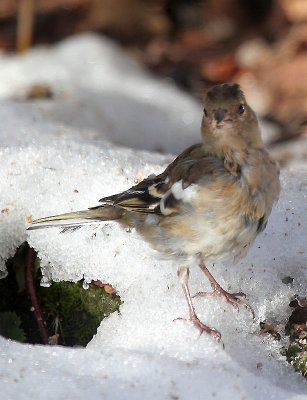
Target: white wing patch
<point>177,190</point>
<point>176,195</point>
<point>187,195</point>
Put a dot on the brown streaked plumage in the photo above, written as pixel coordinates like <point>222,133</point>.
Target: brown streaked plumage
<point>211,201</point>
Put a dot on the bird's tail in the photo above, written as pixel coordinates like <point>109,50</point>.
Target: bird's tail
<point>78,218</point>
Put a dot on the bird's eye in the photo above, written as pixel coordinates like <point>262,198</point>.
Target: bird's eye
<point>241,108</point>
<point>205,112</point>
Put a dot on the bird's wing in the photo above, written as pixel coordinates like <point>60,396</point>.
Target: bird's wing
<point>155,194</point>
<point>143,197</point>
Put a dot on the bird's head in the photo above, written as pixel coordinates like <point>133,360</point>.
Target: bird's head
<point>228,120</point>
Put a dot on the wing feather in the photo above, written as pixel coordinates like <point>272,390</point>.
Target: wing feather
<point>154,193</point>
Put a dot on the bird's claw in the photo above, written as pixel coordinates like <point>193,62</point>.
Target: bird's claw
<point>235,299</point>
<point>202,328</point>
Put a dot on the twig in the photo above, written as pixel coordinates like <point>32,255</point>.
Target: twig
<point>25,18</point>
<point>30,256</point>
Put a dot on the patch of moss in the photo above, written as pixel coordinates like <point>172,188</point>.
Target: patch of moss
<point>296,329</point>
<point>10,326</point>
<point>297,353</point>
<point>75,313</point>
<point>72,314</point>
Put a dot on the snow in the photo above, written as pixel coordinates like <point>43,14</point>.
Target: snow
<point>97,83</point>
<point>53,161</point>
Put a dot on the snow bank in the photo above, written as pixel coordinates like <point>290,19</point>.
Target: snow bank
<point>141,352</point>
<point>142,348</point>
<point>106,92</point>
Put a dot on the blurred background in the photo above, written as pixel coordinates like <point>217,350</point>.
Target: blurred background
<point>261,44</point>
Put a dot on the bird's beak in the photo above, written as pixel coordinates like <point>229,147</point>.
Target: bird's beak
<point>219,115</point>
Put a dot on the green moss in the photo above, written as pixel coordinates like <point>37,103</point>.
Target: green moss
<point>75,313</point>
<point>72,314</point>
<point>297,351</point>
<point>292,350</point>
<point>10,326</point>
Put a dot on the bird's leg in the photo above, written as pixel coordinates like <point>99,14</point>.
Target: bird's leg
<point>183,274</point>
<point>235,299</point>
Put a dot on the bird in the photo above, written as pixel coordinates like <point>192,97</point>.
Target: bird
<point>211,202</point>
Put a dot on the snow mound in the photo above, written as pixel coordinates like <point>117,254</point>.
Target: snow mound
<point>107,93</point>
<point>142,346</point>
<point>54,159</point>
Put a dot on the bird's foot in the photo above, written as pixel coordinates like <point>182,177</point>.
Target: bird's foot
<point>202,328</point>
<point>235,299</point>
<point>183,274</point>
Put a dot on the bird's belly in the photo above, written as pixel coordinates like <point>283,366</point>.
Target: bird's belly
<point>227,238</point>
<point>219,238</point>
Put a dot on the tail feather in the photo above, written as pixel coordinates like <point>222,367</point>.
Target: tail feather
<point>78,218</point>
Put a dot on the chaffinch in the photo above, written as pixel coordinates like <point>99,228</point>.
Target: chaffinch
<point>210,202</point>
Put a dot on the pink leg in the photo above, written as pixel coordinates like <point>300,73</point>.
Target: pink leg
<point>183,274</point>
<point>232,298</point>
